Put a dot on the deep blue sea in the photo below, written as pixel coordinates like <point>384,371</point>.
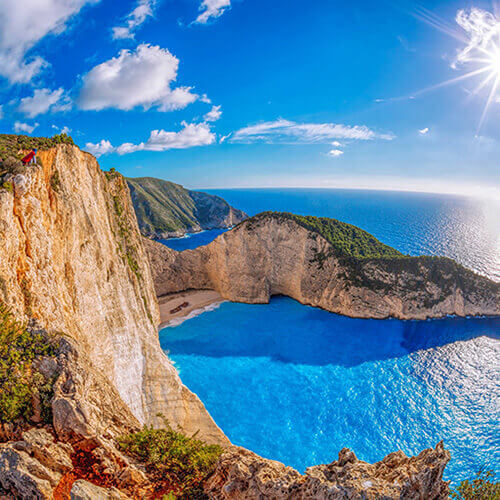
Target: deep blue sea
<point>297,384</point>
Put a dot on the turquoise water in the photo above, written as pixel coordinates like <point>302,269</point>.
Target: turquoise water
<point>297,384</point>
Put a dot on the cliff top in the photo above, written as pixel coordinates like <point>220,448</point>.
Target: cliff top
<point>358,249</point>
<point>12,146</point>
<point>347,240</point>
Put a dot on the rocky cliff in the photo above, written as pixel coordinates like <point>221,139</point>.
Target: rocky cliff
<point>73,263</point>
<point>326,264</point>
<point>165,209</point>
<point>71,257</point>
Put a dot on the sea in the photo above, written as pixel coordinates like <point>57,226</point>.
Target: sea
<point>297,384</point>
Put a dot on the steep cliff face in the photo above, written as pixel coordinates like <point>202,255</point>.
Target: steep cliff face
<point>71,257</point>
<point>165,209</point>
<point>272,254</point>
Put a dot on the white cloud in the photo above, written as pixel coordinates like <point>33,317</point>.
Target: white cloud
<point>137,17</point>
<point>212,9</point>
<point>335,153</point>
<point>101,148</point>
<point>64,130</point>
<point>423,131</point>
<point>135,78</point>
<point>213,115</point>
<point>44,100</point>
<point>337,144</point>
<point>481,28</point>
<point>288,132</point>
<point>24,127</point>
<point>22,25</point>
<point>191,135</point>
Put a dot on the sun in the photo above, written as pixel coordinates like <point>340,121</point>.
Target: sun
<point>479,56</point>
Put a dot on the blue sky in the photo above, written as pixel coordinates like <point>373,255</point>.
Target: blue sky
<point>257,93</point>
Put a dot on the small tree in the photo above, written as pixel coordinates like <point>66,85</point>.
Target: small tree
<point>482,487</point>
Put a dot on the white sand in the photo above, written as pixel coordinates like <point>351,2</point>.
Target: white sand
<point>196,299</point>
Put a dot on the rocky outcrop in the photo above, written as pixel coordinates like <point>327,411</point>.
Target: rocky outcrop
<point>242,475</point>
<point>71,257</point>
<point>168,210</point>
<point>274,255</point>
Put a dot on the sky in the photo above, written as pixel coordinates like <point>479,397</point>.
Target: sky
<point>263,93</point>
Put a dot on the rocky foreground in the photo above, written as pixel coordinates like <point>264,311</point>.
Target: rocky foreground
<point>282,254</point>
<point>73,264</point>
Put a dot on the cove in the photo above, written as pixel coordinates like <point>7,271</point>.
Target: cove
<point>297,384</point>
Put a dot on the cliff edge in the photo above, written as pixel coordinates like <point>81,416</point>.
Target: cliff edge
<point>323,263</point>
<point>72,258</point>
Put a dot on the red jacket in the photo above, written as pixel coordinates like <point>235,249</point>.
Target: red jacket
<point>28,157</point>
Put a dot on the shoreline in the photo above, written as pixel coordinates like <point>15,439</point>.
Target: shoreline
<point>179,305</point>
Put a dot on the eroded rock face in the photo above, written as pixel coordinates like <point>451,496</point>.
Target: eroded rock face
<point>241,474</point>
<point>71,257</point>
<point>268,257</point>
<point>33,466</point>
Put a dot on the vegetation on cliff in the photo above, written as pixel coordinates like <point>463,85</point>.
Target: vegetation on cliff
<point>176,464</point>
<point>346,240</point>
<point>165,207</point>
<point>13,148</point>
<point>21,382</point>
<point>371,264</point>
<point>482,487</point>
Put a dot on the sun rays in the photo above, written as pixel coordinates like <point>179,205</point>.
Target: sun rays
<point>480,56</point>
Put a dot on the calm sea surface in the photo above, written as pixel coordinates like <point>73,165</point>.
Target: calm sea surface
<point>297,384</point>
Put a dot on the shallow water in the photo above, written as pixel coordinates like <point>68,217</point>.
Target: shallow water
<point>297,384</point>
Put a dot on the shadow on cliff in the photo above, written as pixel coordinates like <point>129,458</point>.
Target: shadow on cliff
<point>289,332</point>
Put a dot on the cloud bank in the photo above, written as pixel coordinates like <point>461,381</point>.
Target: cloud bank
<point>142,77</point>
<point>213,115</point>
<point>24,127</point>
<point>190,135</point>
<point>23,24</point>
<point>288,132</point>
<point>137,17</point>
<point>44,100</point>
<point>211,9</point>
<point>481,28</point>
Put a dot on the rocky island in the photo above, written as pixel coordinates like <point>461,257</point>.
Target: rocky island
<point>82,369</point>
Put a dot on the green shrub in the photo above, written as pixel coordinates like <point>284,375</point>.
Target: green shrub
<point>174,462</point>
<point>55,181</point>
<point>8,186</point>
<point>19,380</point>
<point>12,165</point>
<point>482,487</point>
<point>346,240</point>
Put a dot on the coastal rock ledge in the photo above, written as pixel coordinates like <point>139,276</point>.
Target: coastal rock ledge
<point>241,474</point>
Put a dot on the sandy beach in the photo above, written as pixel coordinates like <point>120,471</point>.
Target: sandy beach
<point>178,305</point>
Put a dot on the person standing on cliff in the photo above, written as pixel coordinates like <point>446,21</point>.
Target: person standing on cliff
<point>30,158</point>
